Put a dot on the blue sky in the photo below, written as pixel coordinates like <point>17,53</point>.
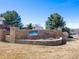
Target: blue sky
<point>37,11</point>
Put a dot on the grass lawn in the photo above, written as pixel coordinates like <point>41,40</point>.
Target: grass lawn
<point>24,51</point>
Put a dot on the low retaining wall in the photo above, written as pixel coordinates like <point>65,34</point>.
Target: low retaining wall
<point>53,42</point>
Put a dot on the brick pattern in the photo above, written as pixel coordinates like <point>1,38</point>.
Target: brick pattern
<point>8,38</point>
<point>16,33</point>
<point>2,35</point>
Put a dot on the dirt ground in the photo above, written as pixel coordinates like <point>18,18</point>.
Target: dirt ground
<point>24,51</point>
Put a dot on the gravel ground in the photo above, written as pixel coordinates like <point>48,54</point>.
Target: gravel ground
<point>26,51</point>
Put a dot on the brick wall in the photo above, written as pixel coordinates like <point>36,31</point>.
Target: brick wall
<point>16,33</point>
<point>50,33</point>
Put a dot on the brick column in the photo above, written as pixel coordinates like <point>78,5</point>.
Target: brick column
<point>13,31</point>
<point>2,34</point>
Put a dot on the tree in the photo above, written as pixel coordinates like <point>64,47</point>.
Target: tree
<point>55,21</point>
<point>66,29</point>
<point>12,18</point>
<point>29,26</point>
